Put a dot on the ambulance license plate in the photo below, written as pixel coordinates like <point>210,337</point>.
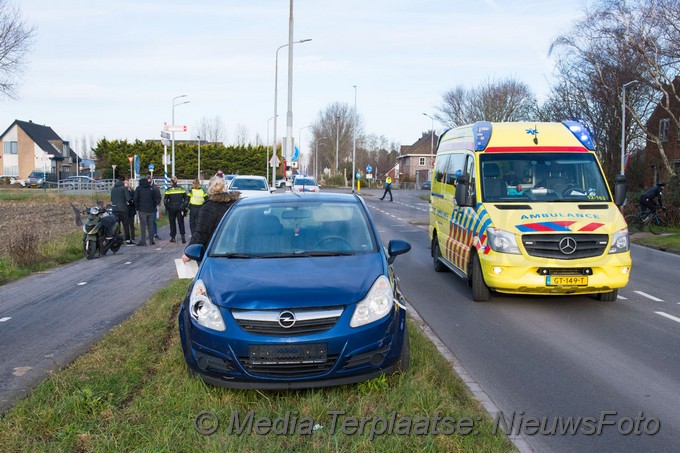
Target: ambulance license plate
<point>563,280</point>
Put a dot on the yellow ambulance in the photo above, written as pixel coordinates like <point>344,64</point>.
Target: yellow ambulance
<point>524,208</point>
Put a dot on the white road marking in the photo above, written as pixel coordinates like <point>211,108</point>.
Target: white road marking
<point>82,283</point>
<point>666,315</point>
<point>21,370</point>
<point>5,319</point>
<point>655,299</point>
<point>621,297</point>
<point>128,262</point>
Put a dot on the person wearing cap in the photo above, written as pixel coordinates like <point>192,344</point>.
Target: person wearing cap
<point>176,203</point>
<point>652,197</point>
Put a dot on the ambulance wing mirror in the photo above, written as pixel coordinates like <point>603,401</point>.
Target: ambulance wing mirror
<point>463,191</point>
<point>619,189</point>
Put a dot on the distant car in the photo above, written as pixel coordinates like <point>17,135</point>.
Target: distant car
<point>280,183</point>
<point>250,185</point>
<point>305,184</point>
<point>427,185</point>
<point>82,183</point>
<point>12,180</point>
<point>38,179</point>
<point>295,292</point>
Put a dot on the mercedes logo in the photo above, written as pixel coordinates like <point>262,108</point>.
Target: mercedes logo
<point>567,246</point>
<point>287,319</point>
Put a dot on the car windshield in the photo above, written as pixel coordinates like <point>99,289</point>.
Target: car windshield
<point>294,229</point>
<point>542,177</point>
<point>248,184</point>
<point>304,182</point>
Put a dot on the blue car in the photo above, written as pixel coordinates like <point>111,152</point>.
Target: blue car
<point>295,291</point>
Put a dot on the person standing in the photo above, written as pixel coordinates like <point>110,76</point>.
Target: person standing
<point>176,202</point>
<point>132,212</point>
<point>212,212</point>
<point>120,197</point>
<point>196,200</point>
<point>388,188</point>
<point>157,189</point>
<point>146,200</point>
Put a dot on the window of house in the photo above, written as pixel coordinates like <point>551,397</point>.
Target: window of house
<point>421,161</point>
<point>664,125</point>
<point>10,147</point>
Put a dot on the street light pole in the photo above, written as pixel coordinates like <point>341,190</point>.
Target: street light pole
<point>276,77</point>
<point>337,143</point>
<point>267,163</point>
<point>300,139</point>
<point>354,137</point>
<point>199,158</point>
<point>431,134</point>
<point>173,123</point>
<point>316,159</point>
<point>623,124</point>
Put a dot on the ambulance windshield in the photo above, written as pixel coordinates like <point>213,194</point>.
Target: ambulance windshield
<point>542,177</point>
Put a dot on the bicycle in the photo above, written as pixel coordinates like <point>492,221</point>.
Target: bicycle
<point>657,224</point>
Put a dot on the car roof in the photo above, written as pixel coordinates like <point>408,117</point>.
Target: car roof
<point>283,198</point>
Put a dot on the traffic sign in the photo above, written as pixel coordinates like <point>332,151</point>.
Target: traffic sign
<point>369,169</point>
<point>165,134</point>
<point>175,128</point>
<point>296,154</point>
<point>151,167</point>
<point>274,161</point>
<point>130,159</point>
<point>358,175</point>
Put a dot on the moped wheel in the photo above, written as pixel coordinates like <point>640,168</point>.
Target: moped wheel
<point>633,223</point>
<point>658,225</point>
<point>90,249</point>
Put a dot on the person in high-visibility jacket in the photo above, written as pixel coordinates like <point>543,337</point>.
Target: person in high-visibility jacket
<point>176,203</point>
<point>196,199</point>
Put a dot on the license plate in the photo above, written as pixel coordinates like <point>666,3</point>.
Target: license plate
<point>562,280</point>
<point>287,354</point>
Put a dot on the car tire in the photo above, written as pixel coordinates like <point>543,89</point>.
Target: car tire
<point>436,254</point>
<point>404,361</point>
<point>608,297</point>
<point>480,291</point>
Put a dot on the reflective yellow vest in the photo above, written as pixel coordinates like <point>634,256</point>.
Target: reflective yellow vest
<point>197,197</point>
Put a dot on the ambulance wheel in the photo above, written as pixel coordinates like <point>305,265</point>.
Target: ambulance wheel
<point>480,292</point>
<point>436,254</point>
<point>608,297</point>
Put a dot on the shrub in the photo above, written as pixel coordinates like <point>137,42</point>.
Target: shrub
<point>23,248</point>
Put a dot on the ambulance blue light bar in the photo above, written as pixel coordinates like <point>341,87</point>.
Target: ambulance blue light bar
<point>481,131</point>
<point>581,133</point>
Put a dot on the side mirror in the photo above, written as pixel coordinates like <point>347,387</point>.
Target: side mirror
<point>195,252</point>
<point>462,190</point>
<point>395,248</point>
<point>619,189</point>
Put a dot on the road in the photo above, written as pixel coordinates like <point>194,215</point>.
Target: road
<point>49,318</point>
<point>537,357</point>
<point>555,357</point>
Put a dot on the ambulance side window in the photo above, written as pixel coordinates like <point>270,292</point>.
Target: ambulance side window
<point>470,173</point>
<point>454,168</point>
<point>440,167</point>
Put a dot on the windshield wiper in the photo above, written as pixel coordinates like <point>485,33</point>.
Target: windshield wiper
<point>305,253</point>
<point>231,255</point>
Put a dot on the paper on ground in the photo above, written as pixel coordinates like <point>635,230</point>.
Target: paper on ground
<point>186,270</point>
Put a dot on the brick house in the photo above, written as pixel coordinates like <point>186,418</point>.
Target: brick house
<point>27,146</point>
<point>662,125</point>
<point>415,161</point>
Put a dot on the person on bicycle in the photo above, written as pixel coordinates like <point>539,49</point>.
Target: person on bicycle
<point>652,198</point>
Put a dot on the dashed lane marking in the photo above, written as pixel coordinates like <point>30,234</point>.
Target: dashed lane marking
<point>666,315</point>
<point>82,283</point>
<point>621,297</point>
<point>5,319</point>
<point>649,296</point>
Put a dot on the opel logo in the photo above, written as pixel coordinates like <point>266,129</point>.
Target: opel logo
<point>567,246</point>
<point>286,319</point>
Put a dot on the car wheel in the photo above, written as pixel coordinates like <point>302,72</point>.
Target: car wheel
<point>405,357</point>
<point>480,291</point>
<point>608,297</point>
<point>436,254</point>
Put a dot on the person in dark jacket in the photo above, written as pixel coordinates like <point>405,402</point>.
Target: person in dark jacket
<point>132,212</point>
<point>176,203</point>
<point>649,198</point>
<point>211,212</point>
<point>146,201</point>
<point>120,197</point>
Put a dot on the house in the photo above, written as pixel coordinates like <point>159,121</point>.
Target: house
<point>27,146</point>
<point>415,161</point>
<point>663,126</point>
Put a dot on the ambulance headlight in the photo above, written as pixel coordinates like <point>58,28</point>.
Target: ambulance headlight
<point>620,242</point>
<point>502,241</point>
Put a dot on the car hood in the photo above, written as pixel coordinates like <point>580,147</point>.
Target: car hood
<point>274,283</point>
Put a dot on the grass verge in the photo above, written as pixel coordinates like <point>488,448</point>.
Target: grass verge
<point>131,391</point>
<point>669,241</point>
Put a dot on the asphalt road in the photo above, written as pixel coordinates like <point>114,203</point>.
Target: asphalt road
<point>49,319</point>
<point>557,357</point>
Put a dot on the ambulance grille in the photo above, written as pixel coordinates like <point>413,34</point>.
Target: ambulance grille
<point>548,245</point>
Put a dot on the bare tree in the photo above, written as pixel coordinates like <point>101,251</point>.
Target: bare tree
<point>211,129</point>
<point>505,100</point>
<point>241,134</point>
<point>16,38</point>
<point>337,125</point>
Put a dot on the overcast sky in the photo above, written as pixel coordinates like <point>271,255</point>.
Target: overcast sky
<point>111,68</point>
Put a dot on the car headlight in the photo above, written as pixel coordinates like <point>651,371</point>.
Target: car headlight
<point>502,241</point>
<point>377,304</point>
<point>620,242</point>
<point>202,310</point>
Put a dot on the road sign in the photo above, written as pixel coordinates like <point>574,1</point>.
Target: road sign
<point>165,134</point>
<point>274,161</point>
<point>358,175</point>
<point>151,167</point>
<point>130,159</point>
<point>175,128</point>
<point>369,169</point>
<point>92,167</point>
<point>296,154</point>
